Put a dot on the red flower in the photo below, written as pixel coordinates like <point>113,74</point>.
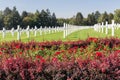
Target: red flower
<point>62,51</point>
<point>93,39</point>
<point>105,49</point>
<point>98,54</point>
<point>57,53</point>
<point>42,49</point>
<point>54,59</point>
<point>42,60</point>
<point>17,46</point>
<point>20,52</point>
<point>75,47</point>
<point>118,51</point>
<point>0,52</point>
<point>38,56</point>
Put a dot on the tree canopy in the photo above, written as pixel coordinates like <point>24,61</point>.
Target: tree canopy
<point>11,18</point>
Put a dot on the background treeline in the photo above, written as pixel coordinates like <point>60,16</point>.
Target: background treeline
<point>11,18</point>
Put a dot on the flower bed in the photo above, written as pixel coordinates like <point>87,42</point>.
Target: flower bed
<point>92,59</point>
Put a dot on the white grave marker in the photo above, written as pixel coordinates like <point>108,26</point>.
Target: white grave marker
<point>35,34</point>
<point>49,29</point>
<point>64,30</point>
<point>3,31</point>
<point>102,27</point>
<point>12,31</point>
<point>18,32</point>
<point>41,30</point>
<point>106,27</point>
<point>112,27</point>
<point>28,31</point>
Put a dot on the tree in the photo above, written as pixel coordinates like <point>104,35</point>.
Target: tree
<point>85,22</point>
<point>91,19</point>
<point>72,20</point>
<point>49,18</point>
<point>11,18</point>
<point>110,18</point>
<point>79,19</point>
<point>43,17</point>
<point>117,16</point>
<point>37,20</point>
<point>15,18</point>
<point>7,11</point>
<point>24,14</point>
<point>1,20</point>
<point>28,21</point>
<point>97,15</point>
<point>8,21</point>
<point>60,21</point>
<point>54,20</point>
<point>103,18</point>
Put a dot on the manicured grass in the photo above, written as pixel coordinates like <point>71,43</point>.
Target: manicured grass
<point>81,34</point>
<point>43,37</point>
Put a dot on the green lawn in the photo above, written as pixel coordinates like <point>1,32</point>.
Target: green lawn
<point>43,37</point>
<point>81,34</point>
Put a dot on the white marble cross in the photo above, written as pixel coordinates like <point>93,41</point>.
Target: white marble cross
<point>49,29</point>
<point>41,30</point>
<point>102,27</point>
<point>35,29</point>
<point>28,31</point>
<point>106,27</point>
<point>3,31</point>
<point>12,31</point>
<point>112,27</point>
<point>64,32</point>
<point>18,32</point>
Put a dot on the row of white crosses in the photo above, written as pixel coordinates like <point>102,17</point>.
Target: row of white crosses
<point>28,30</point>
<point>68,29</point>
<point>100,28</point>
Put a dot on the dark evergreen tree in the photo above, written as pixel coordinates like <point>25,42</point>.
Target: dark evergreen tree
<point>43,17</point>
<point>97,15</point>
<point>91,19</point>
<point>1,20</point>
<point>110,18</point>
<point>37,20</point>
<point>104,17</point>
<point>79,19</point>
<point>117,16</point>
<point>15,18</point>
<point>54,20</point>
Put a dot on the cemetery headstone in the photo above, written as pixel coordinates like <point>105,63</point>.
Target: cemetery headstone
<point>28,31</point>
<point>112,27</point>
<point>106,27</point>
<point>3,31</point>
<point>18,32</point>
<point>35,30</point>
<point>102,27</point>
<point>12,31</point>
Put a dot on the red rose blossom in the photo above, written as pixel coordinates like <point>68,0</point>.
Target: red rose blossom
<point>0,52</point>
<point>20,52</point>
<point>57,53</point>
<point>98,54</point>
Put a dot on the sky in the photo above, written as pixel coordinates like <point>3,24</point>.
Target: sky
<point>63,8</point>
